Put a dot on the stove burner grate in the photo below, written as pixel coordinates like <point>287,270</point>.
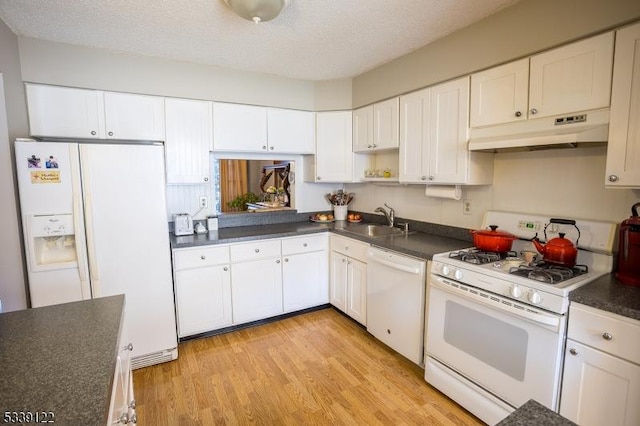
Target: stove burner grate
<point>479,257</point>
<point>548,273</point>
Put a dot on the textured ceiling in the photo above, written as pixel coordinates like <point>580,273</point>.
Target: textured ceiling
<point>310,40</point>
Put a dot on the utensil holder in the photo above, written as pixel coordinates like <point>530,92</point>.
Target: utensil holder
<point>340,212</point>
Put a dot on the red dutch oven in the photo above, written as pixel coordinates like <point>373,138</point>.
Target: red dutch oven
<point>492,239</point>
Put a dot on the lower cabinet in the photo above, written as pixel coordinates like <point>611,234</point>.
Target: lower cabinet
<point>348,277</point>
<point>256,289</point>
<point>123,404</point>
<point>601,380</point>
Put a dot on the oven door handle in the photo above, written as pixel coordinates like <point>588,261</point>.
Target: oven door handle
<point>536,316</point>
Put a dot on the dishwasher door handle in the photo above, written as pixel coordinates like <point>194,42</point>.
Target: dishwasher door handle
<point>404,268</point>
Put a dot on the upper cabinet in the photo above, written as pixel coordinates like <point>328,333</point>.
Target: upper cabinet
<point>188,140</point>
<point>623,150</point>
<point>334,157</point>
<point>375,127</point>
<point>80,113</point>
<point>572,78</point>
<point>248,128</point>
<point>434,134</point>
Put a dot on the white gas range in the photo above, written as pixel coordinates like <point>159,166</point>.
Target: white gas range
<point>497,323</point>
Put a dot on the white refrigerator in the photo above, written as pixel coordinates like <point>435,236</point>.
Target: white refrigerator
<point>95,224</point>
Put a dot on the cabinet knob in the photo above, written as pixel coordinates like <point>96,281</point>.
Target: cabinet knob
<point>206,179</point>
<point>110,133</point>
<point>257,250</point>
<point>304,244</point>
<point>133,419</point>
<point>93,133</point>
<point>430,177</point>
<point>369,146</point>
<point>277,260</point>
<point>203,257</point>
<point>518,114</point>
<point>286,259</point>
<point>264,147</point>
<point>129,347</point>
<point>423,177</point>
<point>572,351</point>
<point>613,178</point>
<point>132,404</point>
<point>271,148</point>
<point>607,336</point>
<point>375,145</point>
<point>346,247</point>
<point>318,178</point>
<point>124,418</point>
<point>534,111</point>
<point>344,260</point>
<point>225,269</point>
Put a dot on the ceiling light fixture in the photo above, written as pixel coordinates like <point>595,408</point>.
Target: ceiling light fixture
<point>257,10</point>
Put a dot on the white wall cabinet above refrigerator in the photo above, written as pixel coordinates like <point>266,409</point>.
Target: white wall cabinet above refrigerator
<point>65,112</point>
<point>375,127</point>
<point>623,149</point>
<point>571,78</point>
<point>189,129</point>
<point>434,135</point>
<point>249,128</point>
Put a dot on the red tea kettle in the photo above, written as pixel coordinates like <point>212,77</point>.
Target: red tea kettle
<point>559,250</point>
<point>628,271</point>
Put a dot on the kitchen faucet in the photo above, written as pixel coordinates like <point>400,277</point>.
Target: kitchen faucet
<point>390,216</point>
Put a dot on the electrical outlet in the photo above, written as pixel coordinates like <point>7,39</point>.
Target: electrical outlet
<point>204,202</point>
<point>466,207</point>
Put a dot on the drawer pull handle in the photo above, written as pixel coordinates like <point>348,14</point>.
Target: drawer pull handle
<point>203,257</point>
<point>257,250</point>
<point>607,336</point>
<point>304,244</point>
<point>573,351</point>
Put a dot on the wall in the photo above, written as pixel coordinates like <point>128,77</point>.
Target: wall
<point>559,182</point>
<point>13,123</point>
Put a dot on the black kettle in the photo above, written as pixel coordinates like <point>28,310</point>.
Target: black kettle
<point>628,271</point>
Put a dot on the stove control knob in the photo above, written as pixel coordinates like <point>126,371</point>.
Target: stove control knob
<point>534,297</point>
<point>515,291</point>
<point>458,274</point>
<point>445,270</point>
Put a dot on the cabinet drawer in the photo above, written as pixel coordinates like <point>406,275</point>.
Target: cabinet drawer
<point>614,334</point>
<point>352,248</point>
<point>200,256</point>
<point>255,250</point>
<point>304,244</point>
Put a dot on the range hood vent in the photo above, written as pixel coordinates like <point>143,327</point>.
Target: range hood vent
<point>576,130</point>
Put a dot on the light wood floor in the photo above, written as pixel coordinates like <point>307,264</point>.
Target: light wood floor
<point>315,368</point>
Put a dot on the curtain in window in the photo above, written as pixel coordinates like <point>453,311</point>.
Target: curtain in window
<point>233,182</point>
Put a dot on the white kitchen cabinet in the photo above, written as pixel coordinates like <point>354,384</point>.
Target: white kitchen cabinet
<point>64,112</point>
<point>348,277</point>
<point>434,135</point>
<point>623,149</point>
<point>122,404</point>
<point>189,136</point>
<point>81,113</point>
<point>305,272</point>
<point>601,379</point>
<point>290,131</point>
<point>571,78</point>
<point>134,117</point>
<point>202,283</point>
<point>375,127</point>
<point>334,159</point>
<point>500,95</point>
<point>256,280</point>
<point>239,128</point>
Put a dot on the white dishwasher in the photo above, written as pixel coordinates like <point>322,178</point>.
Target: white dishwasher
<point>396,286</point>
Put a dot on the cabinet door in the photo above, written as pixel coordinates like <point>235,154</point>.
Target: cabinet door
<point>134,117</point>
<point>256,290</point>
<point>598,388</point>
<point>357,290</point>
<point>239,128</point>
<point>189,129</point>
<point>363,129</point>
<point>572,78</point>
<point>449,132</point>
<point>385,124</point>
<point>334,155</point>
<point>203,299</point>
<point>291,131</point>
<point>64,112</point>
<point>414,136</point>
<point>338,281</point>
<point>623,149</point>
<point>500,95</point>
<point>304,280</point>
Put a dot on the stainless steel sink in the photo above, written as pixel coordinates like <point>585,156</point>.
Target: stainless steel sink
<point>373,231</point>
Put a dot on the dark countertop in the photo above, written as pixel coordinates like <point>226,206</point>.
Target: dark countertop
<point>609,294</point>
<point>418,244</point>
<point>61,359</point>
<point>532,413</point>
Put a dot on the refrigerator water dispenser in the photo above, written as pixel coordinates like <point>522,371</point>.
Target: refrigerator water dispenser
<point>52,242</point>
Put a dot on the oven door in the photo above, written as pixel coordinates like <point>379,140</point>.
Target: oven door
<point>510,350</point>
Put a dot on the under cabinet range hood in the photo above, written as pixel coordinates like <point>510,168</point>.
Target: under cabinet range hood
<point>568,131</point>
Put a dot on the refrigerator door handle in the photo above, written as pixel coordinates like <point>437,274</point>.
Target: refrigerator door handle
<point>88,221</point>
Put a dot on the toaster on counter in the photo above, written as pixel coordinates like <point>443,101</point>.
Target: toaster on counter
<point>182,224</point>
